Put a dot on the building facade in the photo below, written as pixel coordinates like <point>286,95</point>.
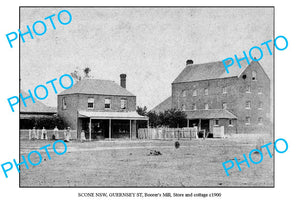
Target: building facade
<point>239,100</point>
<point>101,108</point>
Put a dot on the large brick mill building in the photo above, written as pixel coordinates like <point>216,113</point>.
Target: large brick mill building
<point>211,97</point>
<point>102,108</point>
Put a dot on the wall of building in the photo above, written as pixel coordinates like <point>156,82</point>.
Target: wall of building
<point>235,98</point>
<point>100,99</point>
<point>77,102</point>
<point>69,114</point>
<point>255,98</point>
<point>228,129</point>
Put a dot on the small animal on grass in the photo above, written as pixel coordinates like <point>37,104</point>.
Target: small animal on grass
<point>177,144</point>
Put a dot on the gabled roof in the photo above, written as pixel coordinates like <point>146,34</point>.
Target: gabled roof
<point>97,87</point>
<point>210,114</point>
<point>165,105</point>
<point>37,107</point>
<point>212,70</point>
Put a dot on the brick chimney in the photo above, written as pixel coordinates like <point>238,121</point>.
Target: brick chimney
<point>123,80</point>
<point>188,62</point>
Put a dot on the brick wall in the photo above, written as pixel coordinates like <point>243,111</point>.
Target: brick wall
<point>99,103</point>
<point>235,98</point>
<point>69,114</point>
<point>77,102</point>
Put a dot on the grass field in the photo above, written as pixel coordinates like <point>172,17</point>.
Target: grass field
<point>197,163</point>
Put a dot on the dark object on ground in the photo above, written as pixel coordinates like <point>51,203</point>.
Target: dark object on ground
<point>177,144</point>
<point>154,152</point>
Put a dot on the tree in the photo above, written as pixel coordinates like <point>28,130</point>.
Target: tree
<point>172,118</point>
<point>141,110</point>
<point>153,118</point>
<point>175,118</point>
<point>47,122</point>
<point>87,71</point>
<point>85,74</point>
<point>76,76</point>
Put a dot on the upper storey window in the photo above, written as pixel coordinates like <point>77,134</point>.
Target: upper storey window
<point>64,104</point>
<point>194,106</point>
<point>107,103</point>
<point>183,93</point>
<point>248,105</point>
<point>260,90</point>
<point>248,89</point>
<point>123,103</point>
<point>206,91</point>
<point>91,103</point>
<point>205,106</point>
<point>194,92</point>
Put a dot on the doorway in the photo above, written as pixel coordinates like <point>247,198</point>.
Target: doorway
<point>205,124</point>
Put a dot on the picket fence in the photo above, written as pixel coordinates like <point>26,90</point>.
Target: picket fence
<point>167,133</point>
<point>24,134</point>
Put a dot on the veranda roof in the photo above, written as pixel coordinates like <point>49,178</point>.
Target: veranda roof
<point>210,114</point>
<point>111,115</point>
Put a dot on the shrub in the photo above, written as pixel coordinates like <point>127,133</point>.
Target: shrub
<point>47,122</point>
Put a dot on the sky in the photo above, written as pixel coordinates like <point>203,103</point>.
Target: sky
<point>150,45</point>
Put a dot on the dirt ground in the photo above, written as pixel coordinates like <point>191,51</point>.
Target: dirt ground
<point>196,163</point>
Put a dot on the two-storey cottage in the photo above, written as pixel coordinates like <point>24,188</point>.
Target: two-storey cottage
<point>102,108</point>
<point>211,97</point>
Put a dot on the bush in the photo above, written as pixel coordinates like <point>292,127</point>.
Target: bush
<point>48,123</point>
<point>172,118</point>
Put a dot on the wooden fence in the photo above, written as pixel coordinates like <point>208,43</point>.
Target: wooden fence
<point>24,134</point>
<point>167,133</point>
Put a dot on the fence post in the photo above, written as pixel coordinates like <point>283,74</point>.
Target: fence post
<point>190,134</point>
<point>178,134</point>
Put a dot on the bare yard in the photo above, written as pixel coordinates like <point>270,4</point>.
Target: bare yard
<point>196,163</point>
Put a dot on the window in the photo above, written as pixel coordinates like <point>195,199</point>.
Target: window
<point>260,121</point>
<point>216,122</point>
<point>206,91</point>
<point>195,92</point>
<point>107,103</point>
<point>247,120</point>
<point>194,107</point>
<point>230,122</point>
<point>205,106</point>
<point>254,76</point>
<point>248,89</point>
<point>224,105</point>
<point>64,104</point>
<point>123,103</point>
<point>224,89</point>
<point>90,103</point>
<point>248,105</point>
<point>259,90</point>
<point>260,105</point>
<point>183,93</point>
<point>183,107</point>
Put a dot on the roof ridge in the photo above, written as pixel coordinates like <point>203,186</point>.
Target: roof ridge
<point>205,63</point>
<point>97,87</point>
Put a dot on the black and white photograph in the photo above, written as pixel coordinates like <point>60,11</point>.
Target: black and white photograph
<point>147,96</point>
<point>149,106</point>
